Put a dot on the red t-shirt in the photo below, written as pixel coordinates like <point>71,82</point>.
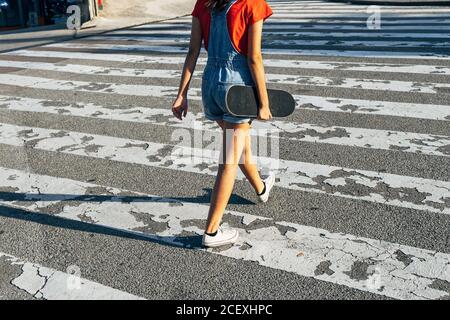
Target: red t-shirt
<point>242,14</point>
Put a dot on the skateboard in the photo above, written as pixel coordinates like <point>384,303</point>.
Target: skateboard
<point>242,101</point>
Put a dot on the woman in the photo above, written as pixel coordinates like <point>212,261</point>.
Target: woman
<point>231,31</point>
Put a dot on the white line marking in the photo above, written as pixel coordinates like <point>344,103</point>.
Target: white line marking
<point>341,20</point>
<point>277,63</point>
<point>292,52</point>
<point>385,268</point>
<point>350,11</point>
<point>364,84</point>
<point>347,136</point>
<point>280,42</point>
<point>99,56</point>
<point>425,111</point>
<point>301,26</point>
<point>319,14</point>
<point>108,88</point>
<point>138,34</point>
<point>49,284</point>
<point>195,93</point>
<point>93,70</point>
<point>390,189</point>
<point>397,109</point>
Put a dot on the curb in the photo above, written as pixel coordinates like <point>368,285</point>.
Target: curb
<point>75,35</point>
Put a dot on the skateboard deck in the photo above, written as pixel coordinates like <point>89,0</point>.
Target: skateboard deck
<point>242,101</point>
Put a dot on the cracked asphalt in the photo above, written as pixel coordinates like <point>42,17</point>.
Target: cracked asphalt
<point>361,205</point>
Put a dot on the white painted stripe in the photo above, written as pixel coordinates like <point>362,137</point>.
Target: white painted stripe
<point>86,45</point>
<point>327,5</point>
<point>403,191</point>
<point>319,14</point>
<point>425,111</point>
<point>303,52</point>
<point>302,2</point>
<point>100,56</point>
<point>353,83</point>
<point>367,84</point>
<point>300,5</point>
<point>195,93</point>
<point>325,104</point>
<point>354,66</point>
<point>347,27</point>
<point>303,250</point>
<point>278,63</point>
<point>285,42</point>
<point>306,4</point>
<point>425,24</point>
<point>139,34</point>
<point>93,70</point>
<point>280,42</point>
<point>319,19</point>
<point>346,136</point>
<point>352,10</point>
<point>366,138</point>
<point>337,19</point>
<point>358,53</point>
<point>397,109</point>
<point>82,86</point>
<point>50,284</point>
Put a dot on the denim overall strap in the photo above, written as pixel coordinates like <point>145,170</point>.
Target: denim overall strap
<point>221,51</point>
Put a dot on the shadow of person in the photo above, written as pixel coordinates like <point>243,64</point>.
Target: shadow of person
<point>33,197</point>
<point>189,240</point>
<point>184,240</point>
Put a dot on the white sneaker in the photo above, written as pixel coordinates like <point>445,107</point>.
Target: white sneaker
<point>223,237</point>
<point>269,182</point>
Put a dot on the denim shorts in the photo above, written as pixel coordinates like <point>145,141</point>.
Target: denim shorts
<point>217,79</point>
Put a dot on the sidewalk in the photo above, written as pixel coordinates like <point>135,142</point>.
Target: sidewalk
<point>118,14</point>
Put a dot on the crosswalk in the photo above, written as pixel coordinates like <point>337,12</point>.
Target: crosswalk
<point>362,200</point>
<point>49,284</point>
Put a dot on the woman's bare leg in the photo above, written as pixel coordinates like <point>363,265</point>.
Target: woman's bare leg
<point>234,141</point>
<point>247,165</point>
<point>249,168</point>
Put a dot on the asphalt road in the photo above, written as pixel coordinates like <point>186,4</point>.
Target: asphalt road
<point>96,204</point>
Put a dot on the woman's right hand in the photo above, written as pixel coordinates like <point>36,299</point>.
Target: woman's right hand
<point>180,107</point>
<point>264,114</point>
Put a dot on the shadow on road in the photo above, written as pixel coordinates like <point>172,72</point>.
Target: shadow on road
<point>205,198</point>
<point>183,241</point>
<point>188,242</point>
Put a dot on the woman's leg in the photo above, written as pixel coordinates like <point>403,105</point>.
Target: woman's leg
<point>247,165</point>
<point>234,141</point>
<point>249,168</point>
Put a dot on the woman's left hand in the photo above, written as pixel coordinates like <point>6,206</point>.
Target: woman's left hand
<point>180,107</point>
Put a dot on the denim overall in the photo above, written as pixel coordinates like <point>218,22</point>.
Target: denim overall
<point>225,67</point>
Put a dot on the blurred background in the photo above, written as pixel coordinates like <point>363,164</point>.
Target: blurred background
<point>16,14</point>
<point>19,14</point>
<point>28,23</point>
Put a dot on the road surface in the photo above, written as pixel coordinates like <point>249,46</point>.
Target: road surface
<point>93,183</point>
